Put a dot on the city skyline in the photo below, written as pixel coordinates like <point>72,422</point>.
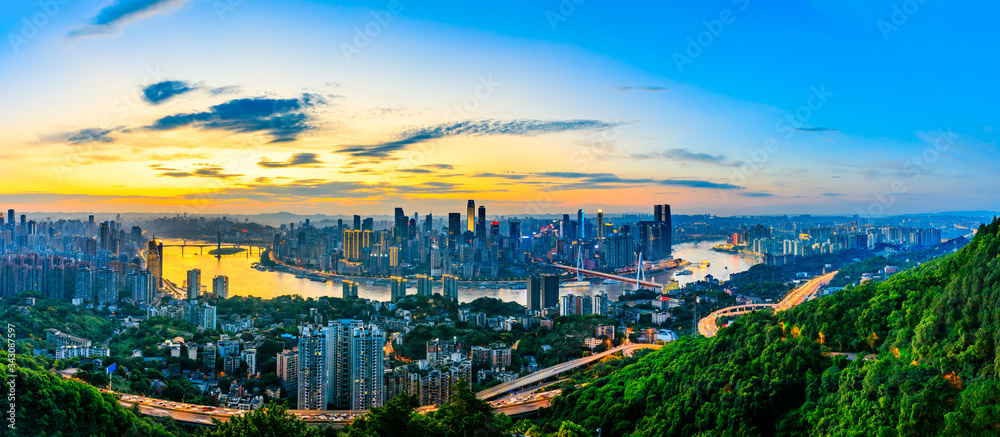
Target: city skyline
<point>353,106</point>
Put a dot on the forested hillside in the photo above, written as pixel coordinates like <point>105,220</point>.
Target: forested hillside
<point>931,332</point>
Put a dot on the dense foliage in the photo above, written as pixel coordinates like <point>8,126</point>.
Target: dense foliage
<point>933,332</point>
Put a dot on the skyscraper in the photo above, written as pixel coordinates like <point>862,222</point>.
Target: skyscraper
<point>350,289</point>
<point>424,286</point>
<point>471,215</point>
<point>550,291</point>
<point>397,289</point>
<point>220,286</point>
<point>288,371</point>
<point>454,229</point>
<point>367,367</point>
<point>313,377</point>
<point>449,286</point>
<point>534,286</point>
<point>481,224</point>
<point>357,223</point>
<point>600,224</point>
<point>401,228</point>
<point>338,344</point>
<point>193,283</point>
<point>580,223</point>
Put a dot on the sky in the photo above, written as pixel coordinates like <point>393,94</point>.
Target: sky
<point>728,107</point>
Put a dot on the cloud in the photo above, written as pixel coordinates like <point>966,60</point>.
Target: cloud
<point>646,89</point>
<point>678,154</point>
<point>610,180</point>
<point>92,135</point>
<point>160,92</point>
<point>296,160</point>
<point>815,129</point>
<point>754,194</point>
<point>111,18</point>
<point>283,119</point>
<point>479,128</point>
<point>204,172</point>
<point>831,194</point>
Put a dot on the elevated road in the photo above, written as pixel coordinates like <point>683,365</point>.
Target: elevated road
<point>544,374</point>
<point>708,325</point>
<point>648,284</point>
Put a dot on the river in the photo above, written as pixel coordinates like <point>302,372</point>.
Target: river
<point>246,281</point>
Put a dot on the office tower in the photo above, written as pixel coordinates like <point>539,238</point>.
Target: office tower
<point>193,283</point>
<point>550,291</point>
<point>454,229</point>
<point>449,286</point>
<point>338,337</point>
<point>411,232</point>
<point>428,223</point>
<point>481,224</point>
<point>220,286</point>
<point>515,237</point>
<point>10,217</point>
<point>471,216</point>
<point>136,234</point>
<point>107,286</point>
<point>534,286</point>
<point>105,236</point>
<point>580,224</point>
<point>397,288</point>
<point>313,377</point>
<point>154,260</point>
<point>357,223</point>
<point>350,289</point>
<point>367,367</point>
<point>24,222</point>
<point>401,227</point>
<point>288,371</point>
<point>600,224</point>
<point>424,286</point>
<point>356,243</point>
<point>368,224</point>
<point>565,228</point>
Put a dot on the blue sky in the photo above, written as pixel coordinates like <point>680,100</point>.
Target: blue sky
<point>728,107</point>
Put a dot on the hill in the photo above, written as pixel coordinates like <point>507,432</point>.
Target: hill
<point>932,333</point>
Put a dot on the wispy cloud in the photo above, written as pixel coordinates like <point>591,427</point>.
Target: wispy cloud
<point>110,19</point>
<point>686,155</point>
<point>162,91</point>
<point>296,160</point>
<point>479,128</point>
<point>756,194</point>
<point>609,180</point>
<point>645,89</point>
<point>816,129</point>
<point>204,172</point>
<point>284,119</point>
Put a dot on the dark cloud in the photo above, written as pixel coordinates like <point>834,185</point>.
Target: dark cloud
<point>163,91</point>
<point>687,155</point>
<point>473,128</point>
<point>93,135</point>
<point>204,172</point>
<point>121,11</point>
<point>647,89</point>
<point>815,129</point>
<point>296,160</point>
<point>283,119</point>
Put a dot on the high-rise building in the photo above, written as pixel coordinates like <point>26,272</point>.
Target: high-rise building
<point>428,223</point>
<point>86,280</point>
<point>600,224</point>
<point>357,223</point>
<point>481,224</point>
<point>350,288</point>
<point>471,216</point>
<point>193,283</point>
<point>313,382</point>
<point>515,237</point>
<point>449,286</point>
<point>288,371</point>
<point>400,228</point>
<point>580,223</point>
<point>454,229</point>
<point>367,367</point>
<point>424,287</point>
<point>154,260</point>
<point>220,286</point>
<point>142,285</point>
<point>439,351</point>
<point>397,288</point>
<point>600,305</point>
<point>338,335</point>
<point>249,356</point>
<point>355,243</point>
<point>550,291</point>
<point>534,286</point>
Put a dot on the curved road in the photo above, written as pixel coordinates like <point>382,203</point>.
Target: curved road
<point>708,327</point>
<point>557,369</point>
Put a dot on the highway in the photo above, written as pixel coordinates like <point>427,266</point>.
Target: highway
<point>708,326</point>
<point>544,374</point>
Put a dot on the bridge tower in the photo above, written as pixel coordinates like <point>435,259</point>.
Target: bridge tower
<point>640,275</point>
